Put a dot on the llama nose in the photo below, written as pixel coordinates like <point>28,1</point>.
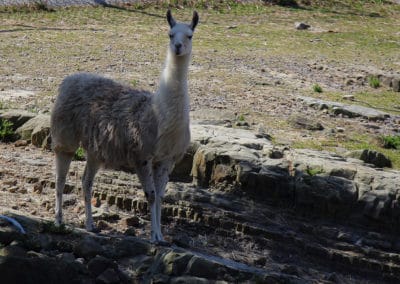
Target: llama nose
<point>178,46</point>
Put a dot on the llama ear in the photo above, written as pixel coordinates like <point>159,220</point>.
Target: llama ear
<point>170,19</point>
<point>195,20</point>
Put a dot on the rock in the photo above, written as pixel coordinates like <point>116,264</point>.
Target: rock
<point>41,270</point>
<point>395,84</point>
<point>69,200</point>
<point>130,246</point>
<point>109,276</point>
<point>371,157</point>
<point>182,240</point>
<point>88,248</point>
<point>344,109</point>
<point>332,196</point>
<point>203,268</point>
<point>243,124</point>
<point>17,117</point>
<point>224,150</point>
<point>37,130</point>
<point>38,188</point>
<point>99,264</point>
<point>100,214</point>
<point>130,232</point>
<point>360,111</point>
<point>301,26</point>
<point>182,169</point>
<point>103,225</point>
<point>133,221</point>
<point>8,233</point>
<point>306,123</point>
<point>348,97</point>
<point>41,137</point>
<point>13,250</point>
<point>96,202</point>
<point>189,279</point>
<point>21,143</point>
<point>175,263</point>
<point>66,256</point>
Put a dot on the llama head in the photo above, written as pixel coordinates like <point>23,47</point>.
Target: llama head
<point>181,34</point>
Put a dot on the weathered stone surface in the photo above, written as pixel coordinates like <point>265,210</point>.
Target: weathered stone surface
<point>306,123</point>
<point>37,130</point>
<point>255,203</point>
<point>339,188</point>
<point>333,196</point>
<point>301,26</point>
<point>41,270</point>
<point>395,84</point>
<point>17,117</point>
<point>189,279</point>
<point>130,246</point>
<point>175,263</point>
<point>203,268</point>
<point>371,157</point>
<point>88,248</point>
<point>109,276</point>
<point>344,109</point>
<point>99,264</point>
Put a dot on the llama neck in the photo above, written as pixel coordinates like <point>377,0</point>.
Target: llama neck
<point>174,75</point>
<point>172,95</point>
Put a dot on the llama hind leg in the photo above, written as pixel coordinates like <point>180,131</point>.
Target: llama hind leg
<point>63,161</point>
<point>91,169</point>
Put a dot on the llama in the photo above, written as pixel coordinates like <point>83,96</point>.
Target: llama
<point>126,129</point>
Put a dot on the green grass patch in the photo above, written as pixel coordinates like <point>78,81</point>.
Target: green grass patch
<point>80,155</point>
<point>314,171</point>
<point>52,228</point>
<point>374,82</point>
<point>388,101</point>
<point>6,130</point>
<point>391,141</point>
<point>317,88</point>
<point>351,142</point>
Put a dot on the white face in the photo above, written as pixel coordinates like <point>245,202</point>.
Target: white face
<point>181,39</point>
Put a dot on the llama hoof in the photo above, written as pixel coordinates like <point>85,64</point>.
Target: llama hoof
<point>92,228</point>
<point>57,223</point>
<point>95,230</point>
<point>157,238</point>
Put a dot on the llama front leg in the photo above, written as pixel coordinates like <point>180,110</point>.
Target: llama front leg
<point>144,171</point>
<point>161,177</point>
<point>91,169</point>
<point>63,161</point>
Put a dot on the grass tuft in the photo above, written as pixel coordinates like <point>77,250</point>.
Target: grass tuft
<point>374,82</point>
<point>50,227</point>
<point>391,142</point>
<point>317,88</point>
<point>314,171</point>
<point>80,155</point>
<point>6,130</point>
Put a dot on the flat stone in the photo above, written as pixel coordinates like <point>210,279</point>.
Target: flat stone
<point>88,248</point>
<point>17,117</point>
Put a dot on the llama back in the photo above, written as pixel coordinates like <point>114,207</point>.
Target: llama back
<point>111,121</point>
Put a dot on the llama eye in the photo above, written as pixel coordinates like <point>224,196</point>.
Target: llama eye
<point>190,37</point>
<point>171,36</point>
